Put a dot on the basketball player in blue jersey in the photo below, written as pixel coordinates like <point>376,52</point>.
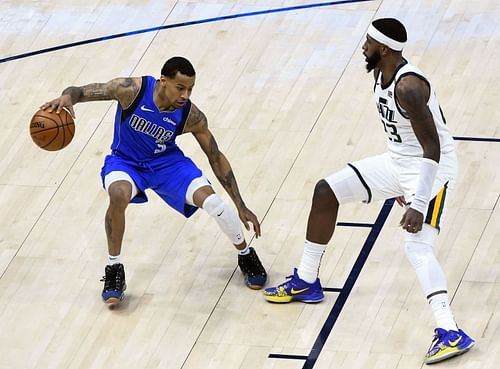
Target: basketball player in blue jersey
<point>418,169</point>
<point>144,155</point>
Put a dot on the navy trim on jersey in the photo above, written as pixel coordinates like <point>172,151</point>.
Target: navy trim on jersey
<point>442,115</point>
<point>376,74</point>
<point>126,113</point>
<point>185,115</point>
<point>365,185</point>
<point>386,85</point>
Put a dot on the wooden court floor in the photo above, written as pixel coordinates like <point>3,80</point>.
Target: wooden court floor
<point>284,87</point>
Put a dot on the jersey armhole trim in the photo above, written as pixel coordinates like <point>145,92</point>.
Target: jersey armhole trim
<point>184,118</point>
<point>377,75</point>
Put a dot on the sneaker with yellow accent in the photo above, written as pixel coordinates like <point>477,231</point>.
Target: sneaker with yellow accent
<point>446,344</point>
<point>295,289</point>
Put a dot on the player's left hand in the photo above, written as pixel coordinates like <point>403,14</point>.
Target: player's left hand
<point>412,220</point>
<point>246,216</point>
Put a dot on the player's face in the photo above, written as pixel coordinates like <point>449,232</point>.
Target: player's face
<point>178,89</point>
<point>371,51</point>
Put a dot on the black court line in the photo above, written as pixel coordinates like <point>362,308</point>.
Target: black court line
<point>289,357</point>
<point>344,291</point>
<point>476,139</point>
<point>331,289</point>
<point>349,284</point>
<point>177,25</point>
<point>348,224</point>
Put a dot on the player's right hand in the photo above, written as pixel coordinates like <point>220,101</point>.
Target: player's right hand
<point>401,201</point>
<point>63,101</point>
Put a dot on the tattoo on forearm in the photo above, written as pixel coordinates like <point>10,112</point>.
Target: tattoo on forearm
<point>213,147</point>
<point>228,181</point>
<point>74,92</point>
<point>95,91</point>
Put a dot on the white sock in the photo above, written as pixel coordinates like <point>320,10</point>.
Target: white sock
<point>245,251</point>
<point>442,312</point>
<point>308,269</point>
<point>114,259</point>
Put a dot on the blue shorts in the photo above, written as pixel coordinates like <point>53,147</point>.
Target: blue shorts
<point>168,176</point>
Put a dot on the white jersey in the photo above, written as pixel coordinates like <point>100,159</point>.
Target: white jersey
<point>401,139</point>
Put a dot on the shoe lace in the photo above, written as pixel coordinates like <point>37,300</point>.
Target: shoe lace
<point>251,264</point>
<point>437,340</point>
<point>112,280</point>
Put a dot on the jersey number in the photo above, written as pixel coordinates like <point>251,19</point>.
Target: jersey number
<point>161,148</point>
<point>392,131</point>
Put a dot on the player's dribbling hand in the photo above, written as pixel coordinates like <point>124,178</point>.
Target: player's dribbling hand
<point>246,216</point>
<point>63,101</point>
<point>412,220</point>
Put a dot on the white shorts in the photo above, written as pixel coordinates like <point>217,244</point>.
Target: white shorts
<point>383,177</point>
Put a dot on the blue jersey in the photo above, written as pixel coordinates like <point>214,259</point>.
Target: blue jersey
<point>142,133</point>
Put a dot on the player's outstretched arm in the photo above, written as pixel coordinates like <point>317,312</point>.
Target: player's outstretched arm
<point>197,124</point>
<point>124,90</point>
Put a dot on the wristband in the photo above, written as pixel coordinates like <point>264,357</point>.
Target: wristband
<point>428,170</point>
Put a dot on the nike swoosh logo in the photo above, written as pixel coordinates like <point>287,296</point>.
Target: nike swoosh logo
<point>455,343</point>
<point>295,292</point>
<point>220,213</point>
<point>143,108</point>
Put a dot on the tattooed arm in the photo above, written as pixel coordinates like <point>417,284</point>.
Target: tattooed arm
<point>197,124</point>
<point>124,90</point>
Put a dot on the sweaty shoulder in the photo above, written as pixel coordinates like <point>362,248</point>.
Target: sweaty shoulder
<point>412,90</point>
<point>125,89</point>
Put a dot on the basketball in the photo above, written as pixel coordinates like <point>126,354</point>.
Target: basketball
<point>52,131</point>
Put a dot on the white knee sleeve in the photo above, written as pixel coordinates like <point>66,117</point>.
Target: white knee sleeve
<point>419,249</point>
<point>193,186</point>
<point>225,217</point>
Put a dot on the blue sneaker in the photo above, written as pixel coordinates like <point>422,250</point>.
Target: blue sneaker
<point>295,289</point>
<point>447,344</point>
<point>114,284</point>
<point>252,269</point>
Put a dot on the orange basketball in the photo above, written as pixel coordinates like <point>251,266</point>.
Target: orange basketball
<point>52,131</point>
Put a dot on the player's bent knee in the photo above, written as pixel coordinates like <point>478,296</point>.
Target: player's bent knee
<point>119,194</point>
<point>324,195</point>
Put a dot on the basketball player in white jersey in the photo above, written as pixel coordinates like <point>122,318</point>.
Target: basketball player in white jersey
<point>418,168</point>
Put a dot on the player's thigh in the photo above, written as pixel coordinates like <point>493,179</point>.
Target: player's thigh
<point>366,180</point>
<point>172,183</point>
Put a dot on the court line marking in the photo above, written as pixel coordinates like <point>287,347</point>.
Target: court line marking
<point>476,139</point>
<point>177,25</point>
<point>345,290</point>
